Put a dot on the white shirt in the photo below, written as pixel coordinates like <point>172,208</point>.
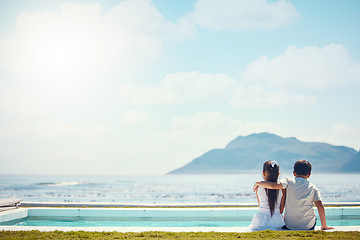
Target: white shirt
<point>299,203</point>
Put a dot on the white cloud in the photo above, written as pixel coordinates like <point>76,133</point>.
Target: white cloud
<point>222,125</point>
<point>14,104</point>
<point>206,121</point>
<point>15,131</point>
<point>258,96</point>
<point>243,14</point>
<point>135,117</point>
<point>67,44</point>
<point>147,95</point>
<point>6,152</point>
<point>215,128</point>
<point>343,129</point>
<point>196,87</point>
<point>140,17</point>
<point>51,131</point>
<point>181,87</point>
<point>345,135</point>
<point>338,134</point>
<point>192,136</point>
<point>61,130</point>
<point>306,68</point>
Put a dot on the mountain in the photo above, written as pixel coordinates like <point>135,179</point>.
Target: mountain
<point>353,165</point>
<point>250,152</point>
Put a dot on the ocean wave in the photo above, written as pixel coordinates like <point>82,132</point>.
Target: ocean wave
<point>58,184</point>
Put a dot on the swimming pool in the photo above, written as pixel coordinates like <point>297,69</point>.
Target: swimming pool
<point>154,217</point>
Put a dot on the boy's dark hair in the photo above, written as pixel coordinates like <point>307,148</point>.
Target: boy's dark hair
<point>302,167</point>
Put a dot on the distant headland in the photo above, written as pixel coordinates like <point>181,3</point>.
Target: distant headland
<point>250,152</point>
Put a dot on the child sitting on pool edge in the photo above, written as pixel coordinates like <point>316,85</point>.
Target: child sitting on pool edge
<point>300,198</point>
<point>271,202</point>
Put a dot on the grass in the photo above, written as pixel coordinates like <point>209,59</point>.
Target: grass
<point>179,235</point>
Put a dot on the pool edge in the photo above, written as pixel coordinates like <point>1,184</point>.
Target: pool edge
<point>162,205</point>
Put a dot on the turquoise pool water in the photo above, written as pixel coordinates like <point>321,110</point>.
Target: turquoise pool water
<point>162,218</point>
<point>152,222</point>
<point>130,222</point>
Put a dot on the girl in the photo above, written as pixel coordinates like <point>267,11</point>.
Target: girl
<point>271,202</point>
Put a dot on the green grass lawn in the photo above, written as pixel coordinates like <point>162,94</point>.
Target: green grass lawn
<point>181,235</point>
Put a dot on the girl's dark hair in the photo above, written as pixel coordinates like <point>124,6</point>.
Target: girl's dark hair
<point>272,170</point>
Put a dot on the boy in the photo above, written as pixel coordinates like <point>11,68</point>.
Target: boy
<point>300,198</point>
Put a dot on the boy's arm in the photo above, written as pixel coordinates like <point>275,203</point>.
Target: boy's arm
<point>321,211</point>
<point>282,203</point>
<point>267,184</point>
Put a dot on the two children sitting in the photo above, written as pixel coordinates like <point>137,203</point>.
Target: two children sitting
<point>297,195</point>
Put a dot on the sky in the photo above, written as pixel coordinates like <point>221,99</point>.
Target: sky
<point>142,87</point>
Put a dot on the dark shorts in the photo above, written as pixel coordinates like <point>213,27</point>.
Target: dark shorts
<point>313,227</point>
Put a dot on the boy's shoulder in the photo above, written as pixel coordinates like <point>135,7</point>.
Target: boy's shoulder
<point>311,185</point>
<point>287,180</point>
<point>299,181</point>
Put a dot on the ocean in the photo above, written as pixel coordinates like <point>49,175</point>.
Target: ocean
<point>235,188</point>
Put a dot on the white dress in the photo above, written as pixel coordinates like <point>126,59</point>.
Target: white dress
<point>262,219</point>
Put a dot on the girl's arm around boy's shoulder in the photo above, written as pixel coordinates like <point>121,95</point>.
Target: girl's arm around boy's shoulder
<point>267,184</point>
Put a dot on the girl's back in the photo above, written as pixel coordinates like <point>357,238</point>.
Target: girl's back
<point>264,202</point>
<point>263,219</point>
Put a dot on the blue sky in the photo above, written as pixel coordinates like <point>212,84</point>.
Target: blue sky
<point>141,87</point>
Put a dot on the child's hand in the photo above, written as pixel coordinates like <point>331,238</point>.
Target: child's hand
<point>326,228</point>
<point>256,185</point>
